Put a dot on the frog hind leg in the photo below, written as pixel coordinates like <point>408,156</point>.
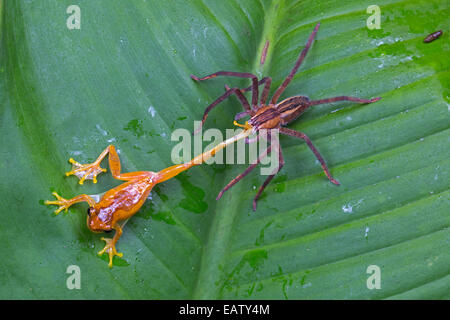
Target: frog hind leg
<point>114,165</point>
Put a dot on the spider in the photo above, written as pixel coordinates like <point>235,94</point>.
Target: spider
<point>273,115</point>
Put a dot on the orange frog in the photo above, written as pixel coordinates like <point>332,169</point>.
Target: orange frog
<point>119,204</point>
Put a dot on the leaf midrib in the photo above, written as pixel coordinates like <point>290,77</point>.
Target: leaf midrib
<point>206,286</point>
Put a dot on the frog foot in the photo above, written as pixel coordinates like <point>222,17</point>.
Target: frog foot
<point>85,171</point>
<point>110,248</point>
<point>60,201</point>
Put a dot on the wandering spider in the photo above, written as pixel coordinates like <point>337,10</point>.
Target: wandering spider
<point>273,115</point>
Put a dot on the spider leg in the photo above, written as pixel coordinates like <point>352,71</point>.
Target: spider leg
<point>265,93</point>
<point>257,138</point>
<point>288,79</point>
<point>227,93</point>
<point>239,75</point>
<point>243,174</point>
<point>342,98</point>
<point>303,136</point>
<point>269,178</point>
<point>241,115</point>
<point>253,140</point>
<point>267,81</point>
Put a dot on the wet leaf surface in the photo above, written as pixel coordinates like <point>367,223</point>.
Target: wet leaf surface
<point>123,78</point>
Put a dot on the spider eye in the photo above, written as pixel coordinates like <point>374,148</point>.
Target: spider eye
<point>89,211</point>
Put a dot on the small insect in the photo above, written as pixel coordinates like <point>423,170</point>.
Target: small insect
<point>264,53</point>
<point>433,36</point>
<point>274,115</point>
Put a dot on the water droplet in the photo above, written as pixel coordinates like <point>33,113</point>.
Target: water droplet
<point>347,208</point>
<point>152,111</point>
<point>366,232</point>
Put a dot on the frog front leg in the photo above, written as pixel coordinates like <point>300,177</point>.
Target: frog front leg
<point>110,246</point>
<point>64,204</point>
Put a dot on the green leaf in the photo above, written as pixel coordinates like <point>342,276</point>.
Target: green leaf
<point>123,78</point>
